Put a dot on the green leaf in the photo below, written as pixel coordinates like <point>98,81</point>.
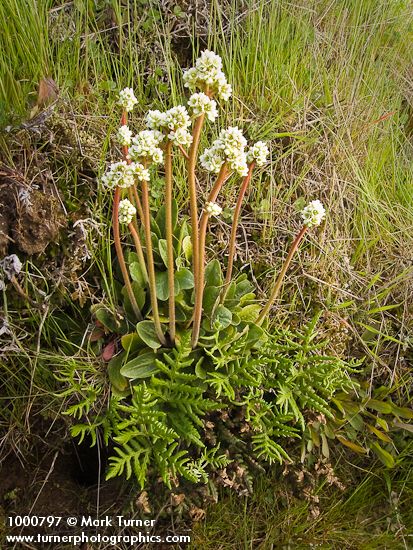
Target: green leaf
<point>185,279</point>
<point>163,251</point>
<point>211,294</point>
<point>107,318</point>
<point>180,233</point>
<point>379,406</point>
<point>250,296</point>
<point>381,435</point>
<point>142,366</point>
<point>180,313</point>
<point>223,317</point>
<point>187,248</point>
<point>353,446</point>
<point>131,342</point>
<point>243,287</point>
<point>250,313</point>
<point>403,412</point>
<point>115,376</point>
<point>136,274</point>
<point>229,297</point>
<point>382,423</point>
<point>161,218</point>
<point>162,288</point>
<point>383,455</point>
<point>199,370</point>
<point>403,426</point>
<point>254,335</point>
<point>213,274</point>
<point>146,330</point>
<point>140,296</point>
<point>324,447</point>
<point>155,230</point>
<point>357,422</point>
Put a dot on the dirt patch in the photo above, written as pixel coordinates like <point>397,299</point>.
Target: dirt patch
<point>29,219</point>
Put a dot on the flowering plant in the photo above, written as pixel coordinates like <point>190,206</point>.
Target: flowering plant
<point>229,154</point>
<point>192,337</point>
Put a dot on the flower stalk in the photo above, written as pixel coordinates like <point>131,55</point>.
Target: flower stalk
<point>169,239</point>
<point>200,268</point>
<point>138,246</point>
<point>150,262</point>
<point>233,238</point>
<point>280,278</point>
<point>119,253</point>
<point>192,160</point>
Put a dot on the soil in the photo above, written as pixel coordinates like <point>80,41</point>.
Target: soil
<point>29,219</point>
<point>60,478</point>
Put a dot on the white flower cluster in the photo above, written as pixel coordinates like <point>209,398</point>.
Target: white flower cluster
<point>207,73</point>
<point>146,146</point>
<point>313,214</point>
<point>155,119</point>
<point>175,121</point>
<point>127,99</point>
<point>124,136</point>
<point>126,211</point>
<point>213,209</point>
<point>201,104</point>
<point>122,174</point>
<point>258,153</point>
<point>230,148</point>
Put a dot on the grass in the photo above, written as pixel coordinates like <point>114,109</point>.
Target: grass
<point>374,514</point>
<point>329,85</point>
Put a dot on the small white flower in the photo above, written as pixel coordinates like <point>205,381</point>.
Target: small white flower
<point>229,147</point>
<point>207,74</point>
<point>239,164</point>
<point>114,176</point>
<point>124,136</point>
<point>177,118</point>
<point>181,136</point>
<point>224,91</point>
<point>232,138</point>
<point>141,173</point>
<point>126,211</point>
<point>156,119</point>
<point>127,99</point>
<point>121,174</point>
<point>258,153</point>
<point>213,209</point>
<point>190,78</point>
<point>313,214</point>
<point>200,104</point>
<point>146,146</point>
<point>212,158</point>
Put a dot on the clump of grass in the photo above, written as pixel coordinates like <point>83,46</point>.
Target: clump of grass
<point>301,512</point>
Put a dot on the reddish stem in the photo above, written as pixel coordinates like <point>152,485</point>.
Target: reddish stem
<point>233,237</point>
<point>169,239</point>
<point>200,270</point>
<point>192,159</point>
<point>280,278</point>
<point>119,253</point>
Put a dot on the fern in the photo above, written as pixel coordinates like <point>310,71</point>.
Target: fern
<point>257,389</point>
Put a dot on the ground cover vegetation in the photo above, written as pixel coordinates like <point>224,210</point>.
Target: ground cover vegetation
<point>321,391</point>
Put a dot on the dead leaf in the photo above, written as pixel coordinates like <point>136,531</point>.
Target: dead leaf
<point>196,513</point>
<point>109,351</point>
<point>143,503</point>
<point>48,92</point>
<point>177,499</point>
<point>96,335</point>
